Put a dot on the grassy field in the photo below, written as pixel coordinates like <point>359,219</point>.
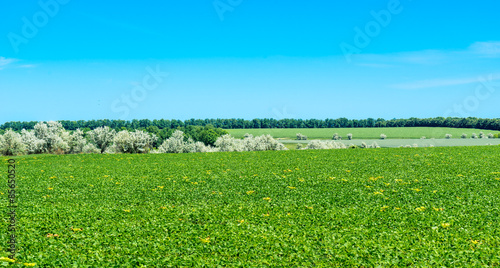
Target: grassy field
<point>328,208</point>
<point>391,143</point>
<point>361,133</point>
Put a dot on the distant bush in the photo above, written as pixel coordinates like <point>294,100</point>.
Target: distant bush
<point>473,136</point>
<point>490,136</point>
<point>448,136</point>
<point>365,146</point>
<point>481,135</point>
<point>301,137</point>
<point>464,136</point>
<point>349,136</point>
<point>299,146</point>
<point>423,138</point>
<point>336,137</point>
<point>497,135</point>
<point>383,136</point>
<point>317,144</point>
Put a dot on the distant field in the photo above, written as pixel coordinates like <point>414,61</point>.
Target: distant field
<point>361,133</point>
<point>392,143</point>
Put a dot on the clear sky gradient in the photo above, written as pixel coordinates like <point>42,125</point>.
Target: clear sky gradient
<point>81,60</point>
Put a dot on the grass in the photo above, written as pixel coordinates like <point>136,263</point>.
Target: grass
<point>391,143</point>
<point>328,208</point>
<point>361,133</point>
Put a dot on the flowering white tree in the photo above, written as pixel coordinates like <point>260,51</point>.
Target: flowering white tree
<point>11,143</point>
<point>33,144</point>
<point>318,144</point>
<point>54,136</point>
<point>174,144</point>
<point>133,142</point>
<point>227,143</point>
<point>102,137</point>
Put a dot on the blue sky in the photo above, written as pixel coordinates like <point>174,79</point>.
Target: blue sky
<point>73,60</point>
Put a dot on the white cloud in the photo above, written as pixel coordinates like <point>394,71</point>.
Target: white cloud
<point>489,49</point>
<point>486,49</point>
<point>4,62</point>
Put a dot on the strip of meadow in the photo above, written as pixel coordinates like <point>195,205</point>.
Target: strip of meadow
<point>401,206</point>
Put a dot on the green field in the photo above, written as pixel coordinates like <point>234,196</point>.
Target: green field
<point>325,208</point>
<point>361,133</point>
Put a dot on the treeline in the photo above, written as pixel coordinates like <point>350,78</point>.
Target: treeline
<point>153,126</point>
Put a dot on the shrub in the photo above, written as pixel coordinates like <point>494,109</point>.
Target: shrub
<point>32,144</point>
<point>54,136</point>
<point>133,142</point>
<point>174,144</point>
<point>474,136</point>
<point>301,137</point>
<point>317,144</point>
<point>423,138</point>
<point>383,136</point>
<point>353,146</point>
<point>11,143</point>
<point>336,137</point>
<point>490,136</point>
<point>464,136</point>
<point>77,142</point>
<point>299,146</point>
<point>349,136</point>
<point>227,143</point>
<point>448,136</point>
<point>102,137</point>
<point>481,135</point>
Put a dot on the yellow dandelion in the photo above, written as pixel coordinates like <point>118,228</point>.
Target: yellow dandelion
<point>397,208</point>
<point>250,192</point>
<point>291,187</point>
<point>205,240</point>
<point>29,264</point>
<point>6,259</point>
<point>241,221</point>
<point>417,190</point>
<point>266,198</point>
<point>50,188</point>
<point>474,241</point>
<point>376,193</point>
<point>384,208</point>
<point>161,187</point>
<point>309,207</point>
<point>265,215</point>
<point>420,209</point>
<point>126,210</point>
<point>445,225</point>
